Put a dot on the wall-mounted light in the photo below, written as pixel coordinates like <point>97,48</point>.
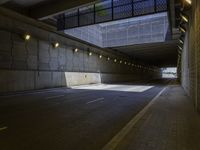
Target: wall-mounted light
<point>56,45</point>
<point>125,62</point>
<point>181,41</point>
<point>120,62</point>
<point>182,29</point>
<point>184,18</point>
<point>76,50</point>
<point>27,37</point>
<point>108,58</point>
<point>90,53</point>
<point>179,52</point>
<point>129,64</point>
<point>188,2</point>
<point>180,47</point>
<point>100,56</point>
<point>115,60</point>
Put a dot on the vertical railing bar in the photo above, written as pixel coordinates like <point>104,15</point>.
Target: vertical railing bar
<point>94,13</point>
<point>64,19</point>
<point>112,9</point>
<point>169,17</point>
<point>155,6</point>
<point>132,8</point>
<point>78,17</point>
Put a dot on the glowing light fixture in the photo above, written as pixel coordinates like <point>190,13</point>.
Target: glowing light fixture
<point>180,47</point>
<point>184,17</point>
<point>188,1</point>
<point>182,29</point>
<point>90,54</point>
<point>100,56</point>
<point>76,50</point>
<point>115,60</point>
<point>125,62</point>
<point>27,37</point>
<point>120,62</point>
<point>108,58</point>
<point>56,45</point>
<point>181,41</point>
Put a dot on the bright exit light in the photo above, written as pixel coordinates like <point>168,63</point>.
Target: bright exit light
<point>170,72</point>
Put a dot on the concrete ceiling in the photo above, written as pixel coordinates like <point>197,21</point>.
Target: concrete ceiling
<point>159,54</point>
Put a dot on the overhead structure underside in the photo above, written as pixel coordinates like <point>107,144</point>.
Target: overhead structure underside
<point>141,29</point>
<point>109,10</point>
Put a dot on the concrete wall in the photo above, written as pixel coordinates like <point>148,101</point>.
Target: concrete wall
<point>76,78</point>
<point>185,66</point>
<point>191,56</point>
<point>36,64</point>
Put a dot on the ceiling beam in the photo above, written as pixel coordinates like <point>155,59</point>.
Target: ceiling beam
<point>45,11</point>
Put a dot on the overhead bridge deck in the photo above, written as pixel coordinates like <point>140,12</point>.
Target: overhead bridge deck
<point>109,10</point>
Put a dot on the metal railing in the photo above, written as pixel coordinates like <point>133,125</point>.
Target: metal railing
<point>109,10</point>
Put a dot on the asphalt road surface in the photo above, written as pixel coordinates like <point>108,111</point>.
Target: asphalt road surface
<point>81,118</point>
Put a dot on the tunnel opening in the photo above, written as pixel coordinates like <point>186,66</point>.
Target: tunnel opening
<point>169,73</point>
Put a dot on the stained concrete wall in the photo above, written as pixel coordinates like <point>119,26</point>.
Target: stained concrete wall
<point>35,64</point>
<point>76,78</point>
<point>185,66</point>
<point>191,56</point>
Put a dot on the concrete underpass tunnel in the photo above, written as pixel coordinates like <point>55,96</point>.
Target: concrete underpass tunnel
<point>49,43</point>
<point>99,75</point>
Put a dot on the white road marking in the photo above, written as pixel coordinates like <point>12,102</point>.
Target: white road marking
<point>99,99</point>
<point>121,135</point>
<point>3,128</point>
<point>58,96</point>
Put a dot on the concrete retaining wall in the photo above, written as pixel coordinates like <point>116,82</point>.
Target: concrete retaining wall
<point>77,78</point>
<point>191,56</point>
<point>36,64</point>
